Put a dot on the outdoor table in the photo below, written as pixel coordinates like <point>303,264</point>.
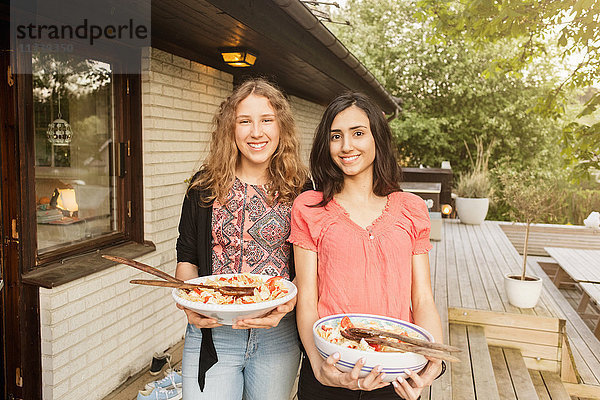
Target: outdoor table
<point>582,265</point>
<point>590,291</point>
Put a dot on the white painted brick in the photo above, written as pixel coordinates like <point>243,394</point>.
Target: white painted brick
<point>74,366</point>
<point>172,91</point>
<point>60,359</point>
<point>156,65</point>
<point>181,62</point>
<point>160,77</point>
<point>171,69</point>
<point>68,340</point>
<point>191,76</point>
<point>60,329</point>
<point>66,311</point>
<point>200,68</point>
<point>84,289</point>
<point>59,390</point>
<point>183,103</point>
<point>47,390</point>
<point>161,55</point>
<point>47,348</point>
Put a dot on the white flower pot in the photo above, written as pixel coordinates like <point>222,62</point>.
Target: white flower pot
<point>472,211</point>
<point>522,294</point>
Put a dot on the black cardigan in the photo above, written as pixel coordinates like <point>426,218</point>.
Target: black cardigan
<point>194,245</point>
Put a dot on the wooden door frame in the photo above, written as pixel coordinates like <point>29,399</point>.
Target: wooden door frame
<point>21,319</point>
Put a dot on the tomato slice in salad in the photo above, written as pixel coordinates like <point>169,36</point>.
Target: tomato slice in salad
<point>271,283</point>
<point>345,323</point>
<point>376,347</point>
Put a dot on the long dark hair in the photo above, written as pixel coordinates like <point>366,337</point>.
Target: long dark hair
<point>327,176</point>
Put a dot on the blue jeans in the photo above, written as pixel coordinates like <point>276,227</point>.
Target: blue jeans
<point>253,363</point>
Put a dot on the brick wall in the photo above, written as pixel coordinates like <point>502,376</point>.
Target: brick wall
<point>307,116</point>
<point>99,330</point>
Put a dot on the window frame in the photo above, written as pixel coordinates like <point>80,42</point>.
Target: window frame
<point>129,188</point>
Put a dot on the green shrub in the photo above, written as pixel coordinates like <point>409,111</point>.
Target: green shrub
<point>573,202</point>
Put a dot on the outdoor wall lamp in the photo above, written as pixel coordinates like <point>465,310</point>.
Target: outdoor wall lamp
<point>446,209</point>
<point>238,57</point>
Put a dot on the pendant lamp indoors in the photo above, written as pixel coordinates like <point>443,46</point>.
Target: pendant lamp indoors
<point>59,131</point>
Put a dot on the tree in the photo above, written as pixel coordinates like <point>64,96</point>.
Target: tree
<point>446,99</point>
<point>532,198</point>
<point>538,27</point>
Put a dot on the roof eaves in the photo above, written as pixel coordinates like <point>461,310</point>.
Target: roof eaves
<point>305,18</point>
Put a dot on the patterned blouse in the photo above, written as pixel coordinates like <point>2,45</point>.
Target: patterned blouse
<point>248,235</point>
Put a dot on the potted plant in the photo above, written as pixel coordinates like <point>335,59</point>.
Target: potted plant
<point>531,198</point>
<point>474,188</point>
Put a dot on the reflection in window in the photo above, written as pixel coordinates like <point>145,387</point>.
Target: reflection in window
<point>74,178</point>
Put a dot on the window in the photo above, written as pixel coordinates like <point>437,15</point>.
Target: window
<point>85,127</point>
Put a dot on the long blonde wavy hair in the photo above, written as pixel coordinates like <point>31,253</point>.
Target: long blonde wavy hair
<point>287,173</point>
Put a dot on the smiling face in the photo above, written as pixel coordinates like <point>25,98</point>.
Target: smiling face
<point>256,132</point>
<point>351,143</point>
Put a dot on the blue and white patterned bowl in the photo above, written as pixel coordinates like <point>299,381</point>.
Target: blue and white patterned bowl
<point>394,363</point>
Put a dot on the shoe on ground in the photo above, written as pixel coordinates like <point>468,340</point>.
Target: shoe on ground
<point>158,363</point>
<point>160,394</point>
<point>172,379</point>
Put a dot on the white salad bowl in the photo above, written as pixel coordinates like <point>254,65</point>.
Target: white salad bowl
<point>228,314</point>
<point>394,363</point>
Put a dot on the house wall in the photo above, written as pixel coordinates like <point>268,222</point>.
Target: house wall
<point>99,330</point>
<point>307,115</point>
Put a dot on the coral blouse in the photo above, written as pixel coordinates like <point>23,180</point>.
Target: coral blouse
<point>363,270</point>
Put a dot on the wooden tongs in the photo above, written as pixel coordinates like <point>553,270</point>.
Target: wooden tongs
<point>171,281</point>
<point>410,344</point>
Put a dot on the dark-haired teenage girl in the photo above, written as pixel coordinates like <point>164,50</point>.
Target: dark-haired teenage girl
<point>360,246</point>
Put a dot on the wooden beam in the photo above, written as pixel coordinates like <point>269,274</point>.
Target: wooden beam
<point>568,373</point>
<point>481,317</point>
<point>581,390</point>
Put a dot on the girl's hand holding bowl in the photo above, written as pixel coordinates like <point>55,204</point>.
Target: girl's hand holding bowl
<point>394,364</point>
<point>328,374</point>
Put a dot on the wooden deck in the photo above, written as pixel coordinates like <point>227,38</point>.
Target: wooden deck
<point>467,269</point>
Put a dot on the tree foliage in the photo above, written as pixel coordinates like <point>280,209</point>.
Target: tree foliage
<point>446,98</point>
<point>537,27</point>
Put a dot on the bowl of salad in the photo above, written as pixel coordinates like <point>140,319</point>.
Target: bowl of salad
<point>328,340</point>
<point>269,292</point>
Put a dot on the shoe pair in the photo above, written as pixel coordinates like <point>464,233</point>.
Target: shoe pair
<point>159,361</point>
<point>172,379</point>
<point>160,394</point>
<point>167,388</point>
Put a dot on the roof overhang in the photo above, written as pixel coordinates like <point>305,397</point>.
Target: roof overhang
<point>294,48</point>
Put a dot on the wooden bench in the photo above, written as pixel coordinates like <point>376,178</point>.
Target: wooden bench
<point>590,291</point>
<point>494,372</point>
<point>512,376</point>
<point>547,235</point>
<point>473,377</point>
<point>548,385</point>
